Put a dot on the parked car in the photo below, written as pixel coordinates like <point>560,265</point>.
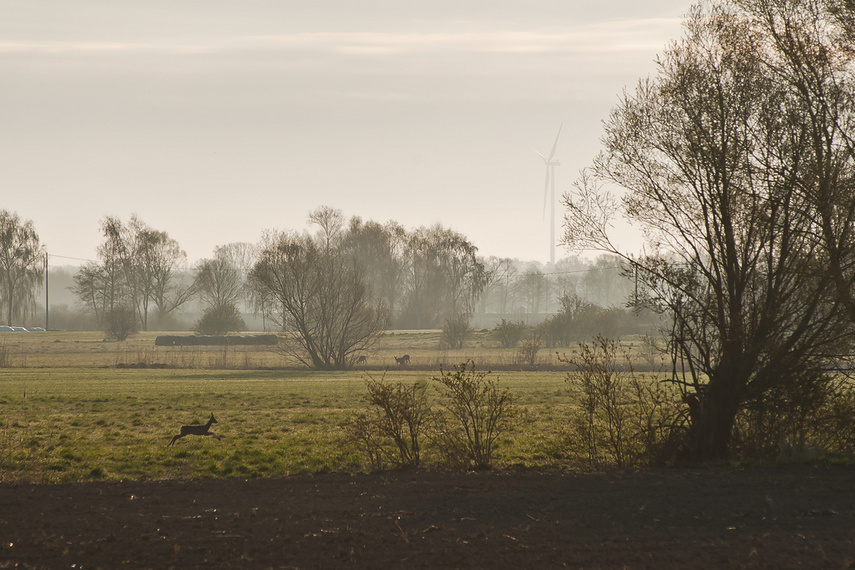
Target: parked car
<point>35,329</point>
<point>6,328</point>
<point>19,329</point>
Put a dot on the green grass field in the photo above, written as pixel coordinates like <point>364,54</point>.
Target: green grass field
<point>70,410</point>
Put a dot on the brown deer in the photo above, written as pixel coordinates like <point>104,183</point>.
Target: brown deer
<point>403,360</point>
<point>196,429</point>
<point>361,360</point>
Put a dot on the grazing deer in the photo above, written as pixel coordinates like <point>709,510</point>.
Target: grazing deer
<point>361,360</point>
<point>196,429</point>
<point>403,360</point>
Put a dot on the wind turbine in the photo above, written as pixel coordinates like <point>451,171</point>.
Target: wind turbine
<point>549,190</point>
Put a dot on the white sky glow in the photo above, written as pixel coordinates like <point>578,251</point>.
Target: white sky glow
<point>215,121</point>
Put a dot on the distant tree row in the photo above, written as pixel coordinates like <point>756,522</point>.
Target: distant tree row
<point>516,287</point>
<point>144,271</point>
<point>298,282</point>
<point>431,277</point>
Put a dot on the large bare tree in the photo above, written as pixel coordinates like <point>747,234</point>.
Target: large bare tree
<point>323,299</point>
<point>719,166</point>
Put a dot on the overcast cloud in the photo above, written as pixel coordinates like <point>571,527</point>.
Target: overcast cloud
<point>216,121</point>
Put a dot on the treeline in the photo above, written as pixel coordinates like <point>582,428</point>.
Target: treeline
<point>424,278</point>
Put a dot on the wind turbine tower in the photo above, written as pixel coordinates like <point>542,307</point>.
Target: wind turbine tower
<point>549,193</point>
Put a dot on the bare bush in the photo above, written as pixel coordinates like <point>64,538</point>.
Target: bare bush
<point>651,350</point>
<point>529,348</point>
<point>362,432</point>
<point>454,331</point>
<point>802,418</point>
<point>623,418</point>
<point>509,333</point>
<point>394,427</point>
<point>473,412</point>
<point>120,323</point>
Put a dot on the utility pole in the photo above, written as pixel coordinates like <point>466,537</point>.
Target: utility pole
<point>47,294</point>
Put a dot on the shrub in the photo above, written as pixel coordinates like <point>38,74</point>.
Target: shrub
<point>805,415</point>
<point>474,411</point>
<point>393,428</point>
<point>120,323</point>
<point>623,418</point>
<point>579,319</point>
<point>651,350</point>
<point>220,319</point>
<point>362,432</point>
<point>835,421</point>
<point>454,331</point>
<point>508,333</point>
<point>529,348</point>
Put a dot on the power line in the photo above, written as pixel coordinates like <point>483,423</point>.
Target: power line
<point>71,258</point>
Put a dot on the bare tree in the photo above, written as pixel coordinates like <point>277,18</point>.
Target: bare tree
<point>90,287</point>
<point>139,267</point>
<point>112,254</point>
<point>331,224</point>
<point>711,153</point>
<point>604,282</point>
<point>841,12</point>
<point>495,269</point>
<point>164,262</point>
<point>379,249</point>
<point>21,265</point>
<point>446,278</point>
<point>242,257</point>
<point>218,282</point>
<point>535,287</point>
<point>102,286</point>
<point>324,301</point>
<point>220,285</point>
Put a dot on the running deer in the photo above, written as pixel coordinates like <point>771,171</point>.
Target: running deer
<point>196,429</point>
<point>403,360</point>
<point>361,360</point>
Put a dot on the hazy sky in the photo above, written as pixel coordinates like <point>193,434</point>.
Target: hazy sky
<point>216,120</point>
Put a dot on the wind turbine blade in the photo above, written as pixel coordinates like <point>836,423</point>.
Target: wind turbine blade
<point>540,155</point>
<point>555,144</point>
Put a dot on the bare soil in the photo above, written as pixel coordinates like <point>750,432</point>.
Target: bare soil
<point>673,518</point>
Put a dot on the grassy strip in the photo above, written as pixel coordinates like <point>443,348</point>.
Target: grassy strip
<point>85,423</point>
<point>80,349</point>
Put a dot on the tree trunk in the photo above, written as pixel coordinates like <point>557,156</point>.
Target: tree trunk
<point>713,420</point>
